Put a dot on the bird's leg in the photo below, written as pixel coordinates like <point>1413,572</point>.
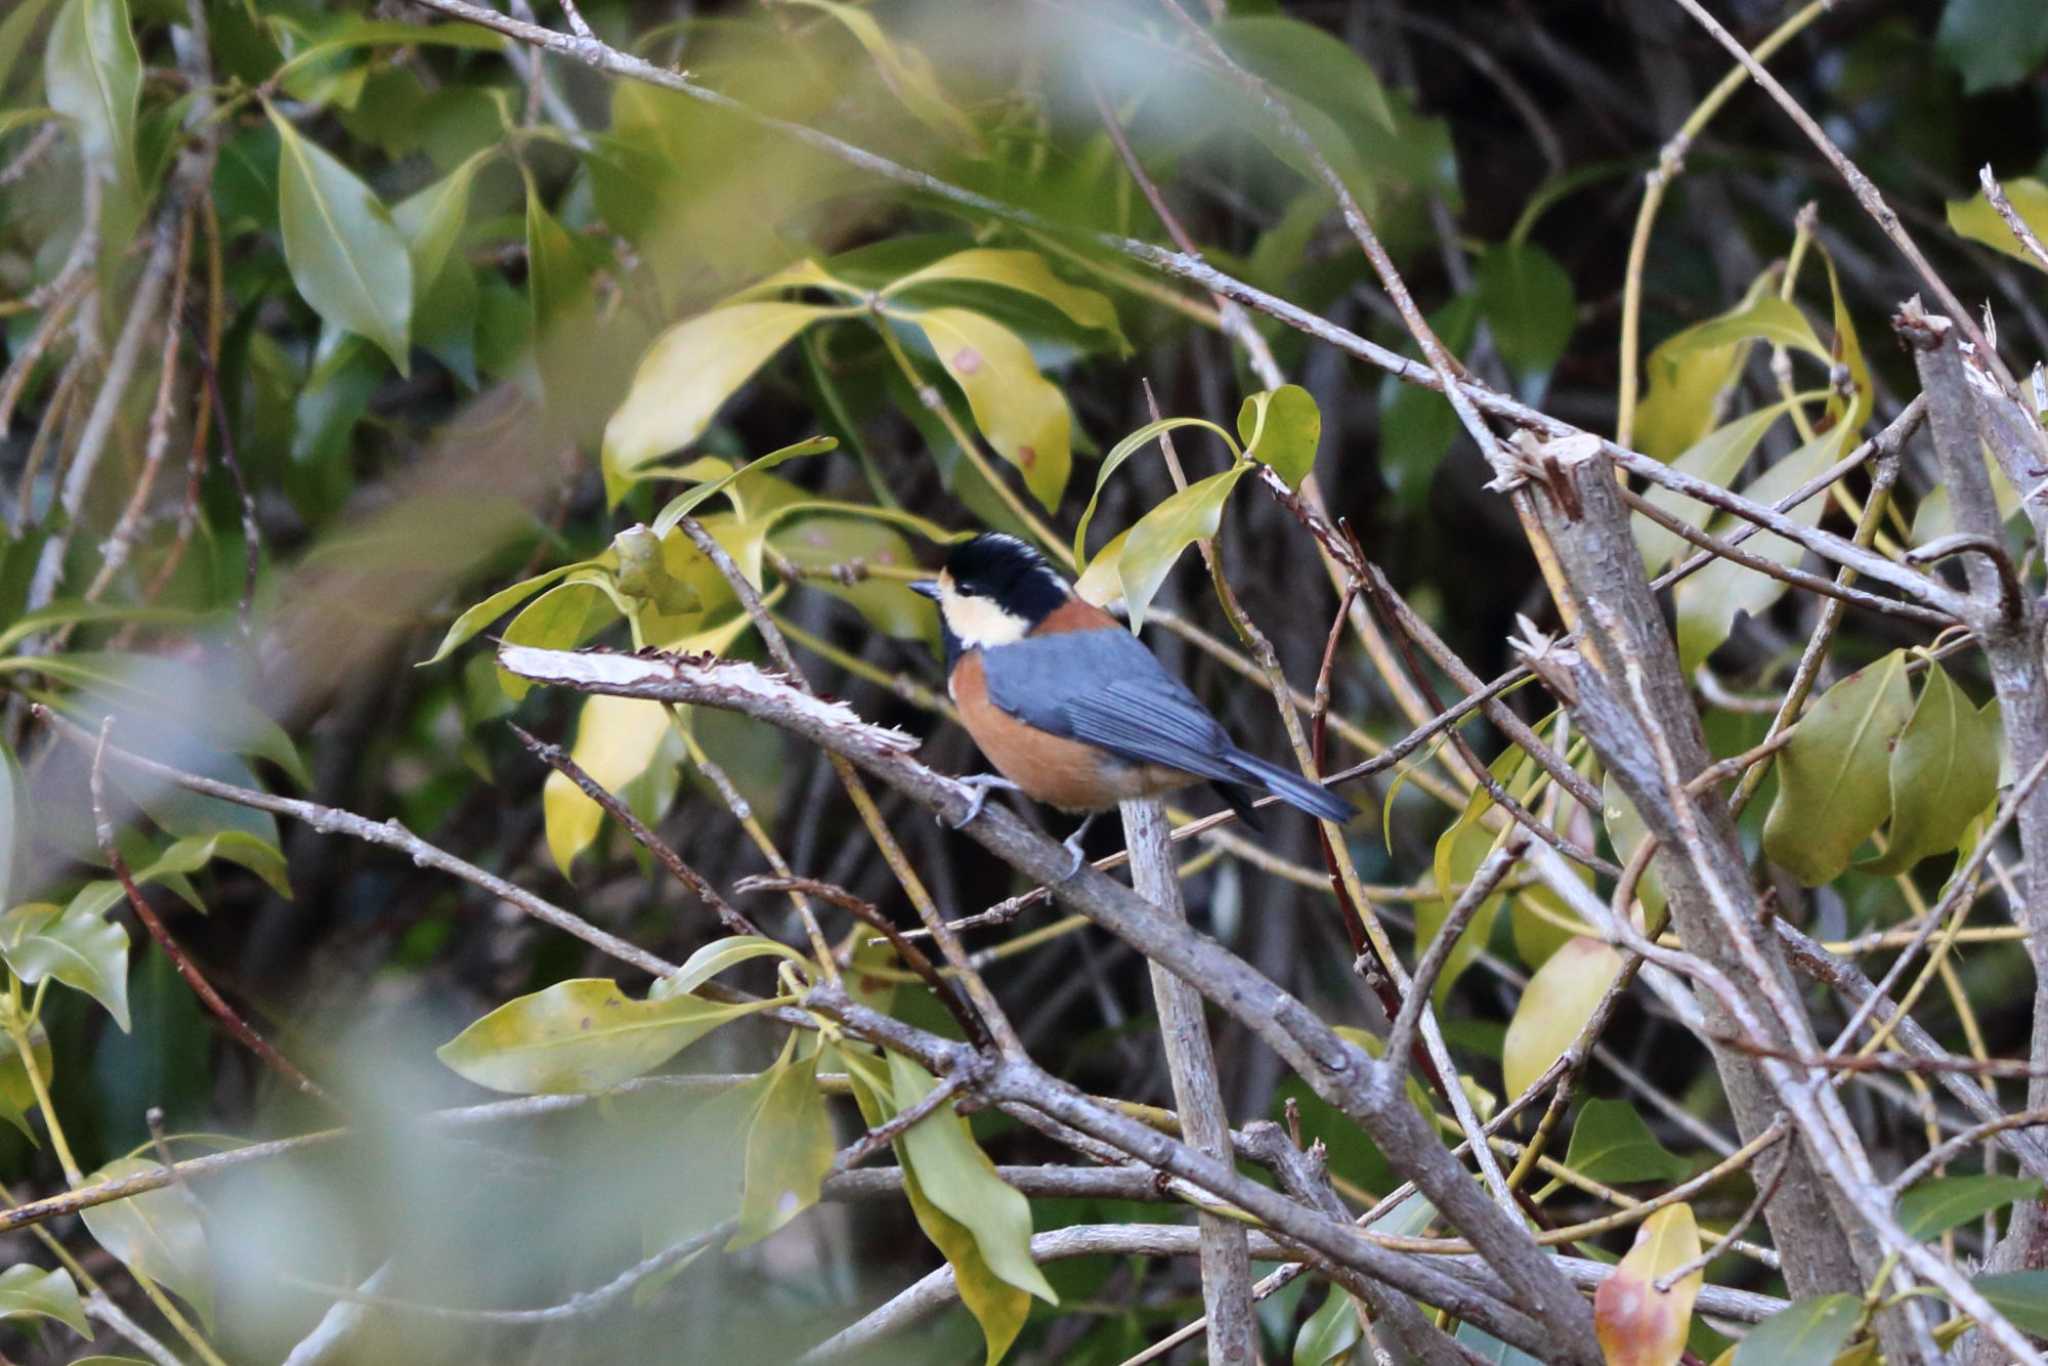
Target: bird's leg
<point>1072,844</point>
<point>980,784</point>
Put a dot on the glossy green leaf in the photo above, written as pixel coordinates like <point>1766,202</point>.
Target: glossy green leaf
<point>1944,771</point>
<point>17,1092</point>
<point>1611,1144</point>
<point>1554,1007</point>
<point>1833,776</point>
<point>906,71</point>
<point>1328,1335</point>
<point>431,220</point>
<point>1023,416</point>
<point>789,1152</point>
<point>1809,1333</point>
<point>1280,427</point>
<point>355,32</point>
<point>1993,43</point>
<point>689,371</point>
<point>683,504</point>
<point>158,1234</point>
<point>476,618</point>
<point>1490,1349</point>
<point>1685,375</point>
<point>562,618</point>
<point>188,855</point>
<point>347,257</point>
<point>958,1178</point>
<point>1530,306</point>
<point>1159,537</point>
<point>1941,1203</point>
<point>30,1291</point>
<point>1024,271</point>
<point>1717,457</point>
<point>16,818</point>
<point>1975,219</point>
<point>1124,450</point>
<point>92,74</point>
<point>2021,1296</point>
<point>580,1037</point>
<point>1710,600</point>
<point>73,944</point>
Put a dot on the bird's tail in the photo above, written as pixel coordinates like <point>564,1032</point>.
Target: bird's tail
<point>1292,788</point>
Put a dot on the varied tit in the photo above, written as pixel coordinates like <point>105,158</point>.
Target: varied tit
<point>1070,707</point>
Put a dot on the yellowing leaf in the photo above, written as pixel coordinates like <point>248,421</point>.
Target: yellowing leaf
<point>1975,219</point>
<point>92,74</point>
<point>1554,1007</point>
<point>689,371</point>
<point>482,614</point>
<point>561,618</point>
<point>1459,851</point>
<point>1160,536</point>
<point>1833,776</point>
<point>1099,583</point>
<point>1124,450</point>
<point>1023,416</point>
<point>1685,374</point>
<point>581,1036</point>
<point>1717,458</point>
<point>158,1234</point>
<point>617,739</point>
<point>346,255</point>
<point>789,1151</point>
<point>1637,1324</point>
<point>1944,770</point>
<point>683,504</point>
<point>906,71</point>
<point>1280,427</point>
<point>1023,271</point>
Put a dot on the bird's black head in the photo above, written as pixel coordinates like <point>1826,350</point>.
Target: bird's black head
<point>993,590</point>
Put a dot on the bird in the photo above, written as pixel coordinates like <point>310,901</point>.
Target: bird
<point>1070,707</point>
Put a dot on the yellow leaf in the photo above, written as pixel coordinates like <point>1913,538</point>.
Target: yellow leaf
<point>1637,1324</point>
<point>691,370</point>
<point>1023,416</point>
<point>1975,219</point>
<point>1024,271</point>
<point>1555,1007</point>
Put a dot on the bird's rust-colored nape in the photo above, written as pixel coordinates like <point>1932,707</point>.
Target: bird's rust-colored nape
<point>1076,614</point>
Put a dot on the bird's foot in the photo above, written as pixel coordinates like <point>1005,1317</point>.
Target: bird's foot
<point>1072,844</point>
<point>980,785</point>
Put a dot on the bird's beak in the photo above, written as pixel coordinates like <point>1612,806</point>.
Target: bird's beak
<point>926,588</point>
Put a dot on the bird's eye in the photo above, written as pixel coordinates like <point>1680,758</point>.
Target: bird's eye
<point>961,590</point>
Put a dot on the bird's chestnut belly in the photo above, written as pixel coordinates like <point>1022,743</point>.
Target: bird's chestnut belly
<point>1049,768</point>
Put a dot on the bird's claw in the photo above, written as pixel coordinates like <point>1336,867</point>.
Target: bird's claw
<point>980,785</point>
<point>1072,844</point>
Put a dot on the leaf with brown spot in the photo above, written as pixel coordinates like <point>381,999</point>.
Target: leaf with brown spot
<point>1637,1324</point>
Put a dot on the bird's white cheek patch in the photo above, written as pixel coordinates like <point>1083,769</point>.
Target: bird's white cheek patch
<point>979,622</point>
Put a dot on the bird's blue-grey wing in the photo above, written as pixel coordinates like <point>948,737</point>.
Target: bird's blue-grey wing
<point>1105,688</point>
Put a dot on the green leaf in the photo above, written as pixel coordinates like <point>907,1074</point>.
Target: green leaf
<point>999,1307</point>
<point>1944,771</point>
<point>1993,43</point>
<point>17,1092</point>
<point>1417,425</point>
<point>1023,271</point>
<point>1833,788</point>
<point>431,220</point>
<point>1626,831</point>
<point>714,958</point>
<point>683,504</point>
<point>1975,219</point>
<point>1280,427</point>
<point>92,74</point>
<point>1717,458</point>
<point>1124,450</point>
<point>789,1152</point>
<point>562,618</point>
<point>355,32</point>
<point>72,944</point>
<point>16,817</point>
<point>188,855</point>
<point>1935,1206</point>
<point>1529,305</point>
<point>1809,1333</point>
<point>347,257</point>
<point>14,35</point>
<point>887,604</point>
<point>89,613</point>
<point>1611,1144</point>
<point>1709,601</point>
<point>158,1234</point>
<point>906,71</point>
<point>1023,416</point>
<point>581,1036</point>
<point>2021,1296</point>
<point>27,1291</point>
<point>689,371</point>
<point>1328,1335</point>
<point>1554,1007</point>
<point>482,614</point>
<point>1190,515</point>
<point>1459,851</point>
<point>957,1177</point>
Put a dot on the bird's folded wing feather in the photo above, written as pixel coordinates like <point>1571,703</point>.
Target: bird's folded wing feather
<point>1105,688</point>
